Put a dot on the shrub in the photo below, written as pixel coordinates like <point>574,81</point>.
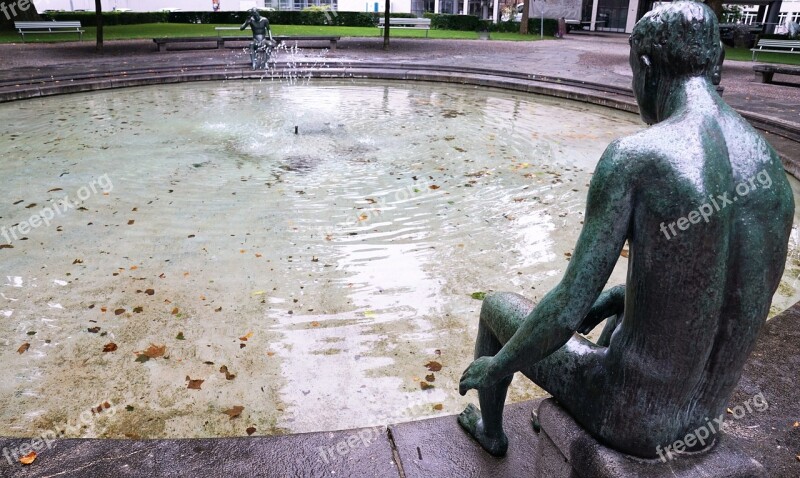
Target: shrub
<point>88,19</point>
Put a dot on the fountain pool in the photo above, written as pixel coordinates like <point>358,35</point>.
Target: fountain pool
<point>314,254</point>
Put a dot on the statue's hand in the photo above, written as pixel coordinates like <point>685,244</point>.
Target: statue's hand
<point>478,375</point>
<point>611,302</point>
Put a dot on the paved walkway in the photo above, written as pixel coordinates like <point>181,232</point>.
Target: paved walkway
<point>429,448</point>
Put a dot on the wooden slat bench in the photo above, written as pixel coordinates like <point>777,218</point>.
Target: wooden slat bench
<point>164,41</point>
<point>764,73</point>
<point>281,39</point>
<point>409,23</point>
<point>35,28</point>
<point>776,46</point>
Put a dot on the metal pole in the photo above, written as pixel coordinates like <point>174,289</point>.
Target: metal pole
<point>541,24</point>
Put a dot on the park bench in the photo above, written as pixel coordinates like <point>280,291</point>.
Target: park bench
<point>281,39</point>
<point>776,46</point>
<point>219,41</point>
<point>164,41</point>
<point>410,23</point>
<point>36,28</point>
<point>764,73</point>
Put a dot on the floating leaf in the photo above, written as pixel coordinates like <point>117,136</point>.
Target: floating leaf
<point>433,366</point>
<point>130,222</point>
<point>137,310</point>
<point>142,358</point>
<point>234,412</point>
<point>110,347</point>
<point>246,336</point>
<point>425,385</point>
<point>94,330</point>
<point>478,295</point>
<point>180,336</point>
<point>149,292</point>
<point>250,430</point>
<point>119,311</point>
<point>195,384</point>
<point>6,246</point>
<point>175,311</point>
<point>314,323</point>
<point>438,407</point>
<point>77,261</point>
<point>23,348</point>
<point>129,408</point>
<point>430,377</point>
<point>28,459</point>
<point>434,187</point>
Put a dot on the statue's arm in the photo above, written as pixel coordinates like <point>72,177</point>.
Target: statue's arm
<point>245,24</point>
<point>563,309</point>
<point>610,303</point>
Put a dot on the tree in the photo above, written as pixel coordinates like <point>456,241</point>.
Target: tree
<point>386,17</point>
<point>716,6</point>
<point>523,25</point>
<point>98,6</point>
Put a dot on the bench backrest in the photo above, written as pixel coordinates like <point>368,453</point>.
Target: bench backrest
<point>406,21</point>
<point>30,25</point>
<point>779,43</point>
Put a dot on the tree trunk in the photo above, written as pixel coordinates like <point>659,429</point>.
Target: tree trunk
<point>387,6</point>
<point>716,6</point>
<point>523,25</point>
<point>98,6</point>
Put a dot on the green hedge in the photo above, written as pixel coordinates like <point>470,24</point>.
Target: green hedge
<point>441,21</point>
<point>88,19</point>
<point>287,17</point>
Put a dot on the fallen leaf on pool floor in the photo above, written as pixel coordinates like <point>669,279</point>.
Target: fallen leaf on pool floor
<point>194,384</point>
<point>155,351</point>
<point>251,430</point>
<point>430,378</point>
<point>28,459</point>
<point>425,385</point>
<point>234,412</point>
<point>175,311</point>
<point>119,311</point>
<point>438,406</point>
<point>137,310</point>
<point>6,246</point>
<point>110,347</point>
<point>142,358</point>
<point>228,375</point>
<point>433,366</point>
<point>180,336</point>
<point>246,336</point>
<point>94,330</point>
<point>478,295</point>
<point>23,348</point>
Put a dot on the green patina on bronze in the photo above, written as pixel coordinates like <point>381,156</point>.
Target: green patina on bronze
<point>699,282</point>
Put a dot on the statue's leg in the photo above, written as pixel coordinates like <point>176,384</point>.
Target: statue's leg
<point>563,374</point>
<point>501,315</point>
<point>611,325</point>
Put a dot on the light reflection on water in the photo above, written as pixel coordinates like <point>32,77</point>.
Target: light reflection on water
<point>324,269</point>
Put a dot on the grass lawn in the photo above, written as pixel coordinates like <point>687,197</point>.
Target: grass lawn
<point>744,54</point>
<point>154,30</point>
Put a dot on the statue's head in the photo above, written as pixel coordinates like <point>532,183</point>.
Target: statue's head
<point>670,43</point>
<point>254,13</point>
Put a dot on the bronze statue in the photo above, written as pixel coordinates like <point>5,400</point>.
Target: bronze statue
<point>260,45</point>
<point>706,208</point>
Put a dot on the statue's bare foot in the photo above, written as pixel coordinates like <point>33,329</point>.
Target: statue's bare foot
<point>470,420</point>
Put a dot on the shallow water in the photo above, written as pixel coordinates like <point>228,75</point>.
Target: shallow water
<point>329,270</point>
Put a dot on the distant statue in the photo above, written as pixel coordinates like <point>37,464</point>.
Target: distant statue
<point>793,29</point>
<point>706,209</point>
<point>260,47</point>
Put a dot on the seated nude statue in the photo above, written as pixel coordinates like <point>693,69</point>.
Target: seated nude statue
<point>706,208</point>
